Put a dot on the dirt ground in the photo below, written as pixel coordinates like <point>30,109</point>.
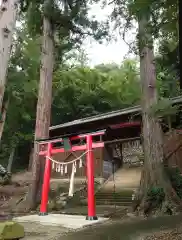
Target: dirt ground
<point>35,231</point>
<point>161,228</point>
<point>120,227</point>
<point>168,234</point>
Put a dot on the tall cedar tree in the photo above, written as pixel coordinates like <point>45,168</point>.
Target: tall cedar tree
<point>63,25</point>
<point>8,15</point>
<point>151,25</point>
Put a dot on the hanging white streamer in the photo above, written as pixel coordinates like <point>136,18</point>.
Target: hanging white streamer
<point>66,169</point>
<point>74,167</point>
<point>80,163</point>
<point>71,188</point>
<point>56,167</point>
<point>61,169</point>
<point>66,163</point>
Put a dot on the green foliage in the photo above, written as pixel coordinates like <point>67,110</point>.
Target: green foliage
<point>22,85</point>
<point>163,108</point>
<point>167,67</point>
<point>162,27</point>
<point>155,195</point>
<point>163,16</point>
<point>70,23</point>
<point>78,91</point>
<point>86,91</point>
<point>176,179</point>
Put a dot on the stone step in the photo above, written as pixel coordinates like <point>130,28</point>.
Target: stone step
<point>126,193</point>
<point>123,178</point>
<point>113,199</point>
<point>123,198</point>
<point>109,187</point>
<point>116,203</point>
<point>123,191</point>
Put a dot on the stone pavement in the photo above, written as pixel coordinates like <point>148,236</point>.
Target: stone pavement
<point>62,220</point>
<point>38,231</point>
<point>121,229</point>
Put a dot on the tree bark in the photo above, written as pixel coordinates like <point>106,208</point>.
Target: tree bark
<point>30,160</point>
<point>152,133</point>
<point>11,158</point>
<point>43,110</point>
<point>3,117</point>
<point>8,15</point>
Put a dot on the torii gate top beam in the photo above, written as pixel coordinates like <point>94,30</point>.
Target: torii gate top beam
<point>73,148</point>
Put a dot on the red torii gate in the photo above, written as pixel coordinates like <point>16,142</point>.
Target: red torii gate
<point>88,146</point>
<point>90,168</point>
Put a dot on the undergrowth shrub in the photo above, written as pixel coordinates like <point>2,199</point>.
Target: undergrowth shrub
<point>176,179</point>
<point>155,195</point>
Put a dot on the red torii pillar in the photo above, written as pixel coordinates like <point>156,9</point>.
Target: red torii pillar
<point>46,182</point>
<point>90,179</point>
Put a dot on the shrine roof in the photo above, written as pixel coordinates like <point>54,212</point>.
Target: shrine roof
<point>101,121</point>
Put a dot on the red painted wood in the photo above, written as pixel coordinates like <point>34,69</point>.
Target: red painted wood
<point>90,179</point>
<point>73,149</point>
<point>126,124</point>
<point>46,182</point>
<point>100,133</point>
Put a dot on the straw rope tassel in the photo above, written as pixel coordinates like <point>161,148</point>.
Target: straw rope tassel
<point>71,187</point>
<point>66,169</point>
<point>53,165</point>
<point>74,164</point>
<point>62,170</point>
<point>59,168</point>
<point>80,163</point>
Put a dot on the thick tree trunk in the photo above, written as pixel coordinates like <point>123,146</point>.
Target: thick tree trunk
<point>153,175</point>
<point>30,160</point>
<point>43,109</point>
<point>10,160</point>
<point>3,117</point>
<point>8,15</point>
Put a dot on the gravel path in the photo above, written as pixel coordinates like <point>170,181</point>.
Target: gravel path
<point>173,234</point>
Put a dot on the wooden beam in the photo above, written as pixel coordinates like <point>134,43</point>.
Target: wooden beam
<point>125,124</point>
<point>81,136</point>
<point>122,140</point>
<point>73,149</point>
